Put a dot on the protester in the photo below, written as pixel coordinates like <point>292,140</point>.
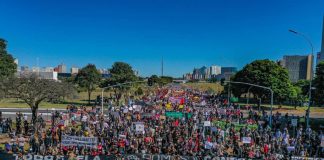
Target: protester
<point>172,121</point>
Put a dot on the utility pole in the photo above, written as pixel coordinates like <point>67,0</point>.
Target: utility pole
<point>311,74</point>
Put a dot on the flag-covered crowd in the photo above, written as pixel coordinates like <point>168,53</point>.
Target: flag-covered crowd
<point>169,121</point>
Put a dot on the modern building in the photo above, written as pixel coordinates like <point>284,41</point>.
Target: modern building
<point>228,70</point>
<point>61,68</point>
<point>103,71</point>
<point>74,70</point>
<point>24,68</point>
<point>299,67</point>
<point>215,70</point>
<point>47,69</point>
<point>35,69</point>
<point>187,76</point>
<point>320,55</point>
<point>41,75</point>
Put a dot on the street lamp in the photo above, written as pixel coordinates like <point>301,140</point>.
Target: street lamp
<point>264,87</point>
<point>248,98</point>
<point>311,77</point>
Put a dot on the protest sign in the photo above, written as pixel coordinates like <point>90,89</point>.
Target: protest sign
<point>207,123</point>
<point>139,128</point>
<point>122,136</point>
<point>180,106</point>
<point>79,141</point>
<point>162,117</point>
<point>222,111</point>
<point>208,145</point>
<point>174,114</point>
<point>246,140</point>
<point>294,122</point>
<point>290,148</point>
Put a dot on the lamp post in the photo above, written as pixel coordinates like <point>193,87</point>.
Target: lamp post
<point>268,88</point>
<point>311,76</point>
<point>247,101</point>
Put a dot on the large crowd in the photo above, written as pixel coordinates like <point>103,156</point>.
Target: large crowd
<point>171,121</point>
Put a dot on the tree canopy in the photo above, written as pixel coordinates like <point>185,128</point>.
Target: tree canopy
<point>319,84</point>
<point>265,73</point>
<point>88,78</point>
<point>7,65</point>
<point>161,80</point>
<point>120,73</point>
<point>33,91</point>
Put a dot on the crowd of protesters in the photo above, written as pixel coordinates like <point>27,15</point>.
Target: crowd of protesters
<point>169,135</point>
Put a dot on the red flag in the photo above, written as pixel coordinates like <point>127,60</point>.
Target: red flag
<point>182,101</point>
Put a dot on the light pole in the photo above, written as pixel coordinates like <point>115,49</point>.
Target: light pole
<point>247,101</point>
<point>311,76</point>
<point>254,85</point>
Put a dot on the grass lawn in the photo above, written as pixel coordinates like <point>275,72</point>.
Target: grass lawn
<point>80,99</point>
<point>215,87</point>
<point>315,112</point>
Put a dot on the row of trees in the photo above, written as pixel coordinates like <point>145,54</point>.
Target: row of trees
<point>33,90</point>
<point>89,78</point>
<point>270,74</point>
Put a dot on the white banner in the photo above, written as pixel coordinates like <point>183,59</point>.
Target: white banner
<point>139,128</point>
<point>246,140</point>
<point>79,141</point>
<point>207,123</point>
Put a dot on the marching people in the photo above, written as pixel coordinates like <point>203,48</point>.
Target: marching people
<point>188,123</point>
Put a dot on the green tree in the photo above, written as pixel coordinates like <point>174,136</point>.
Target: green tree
<point>88,78</point>
<point>7,65</point>
<point>302,89</point>
<point>33,91</point>
<point>163,80</point>
<point>120,73</point>
<point>319,84</point>
<point>265,73</point>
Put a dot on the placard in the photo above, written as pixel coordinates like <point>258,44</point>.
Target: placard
<point>207,123</point>
<point>294,122</point>
<point>246,140</point>
<point>79,141</point>
<point>139,128</point>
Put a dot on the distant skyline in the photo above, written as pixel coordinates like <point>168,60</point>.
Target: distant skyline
<point>188,34</point>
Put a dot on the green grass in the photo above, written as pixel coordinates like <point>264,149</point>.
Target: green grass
<point>80,99</point>
<point>215,87</point>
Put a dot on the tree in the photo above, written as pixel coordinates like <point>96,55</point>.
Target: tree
<point>7,65</point>
<point>33,91</point>
<point>120,73</point>
<point>88,78</point>
<point>265,73</point>
<point>163,80</point>
<point>319,84</point>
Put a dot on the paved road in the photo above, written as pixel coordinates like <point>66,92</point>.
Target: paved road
<point>11,112</point>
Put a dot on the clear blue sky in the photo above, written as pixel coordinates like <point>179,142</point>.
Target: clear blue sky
<point>187,33</point>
